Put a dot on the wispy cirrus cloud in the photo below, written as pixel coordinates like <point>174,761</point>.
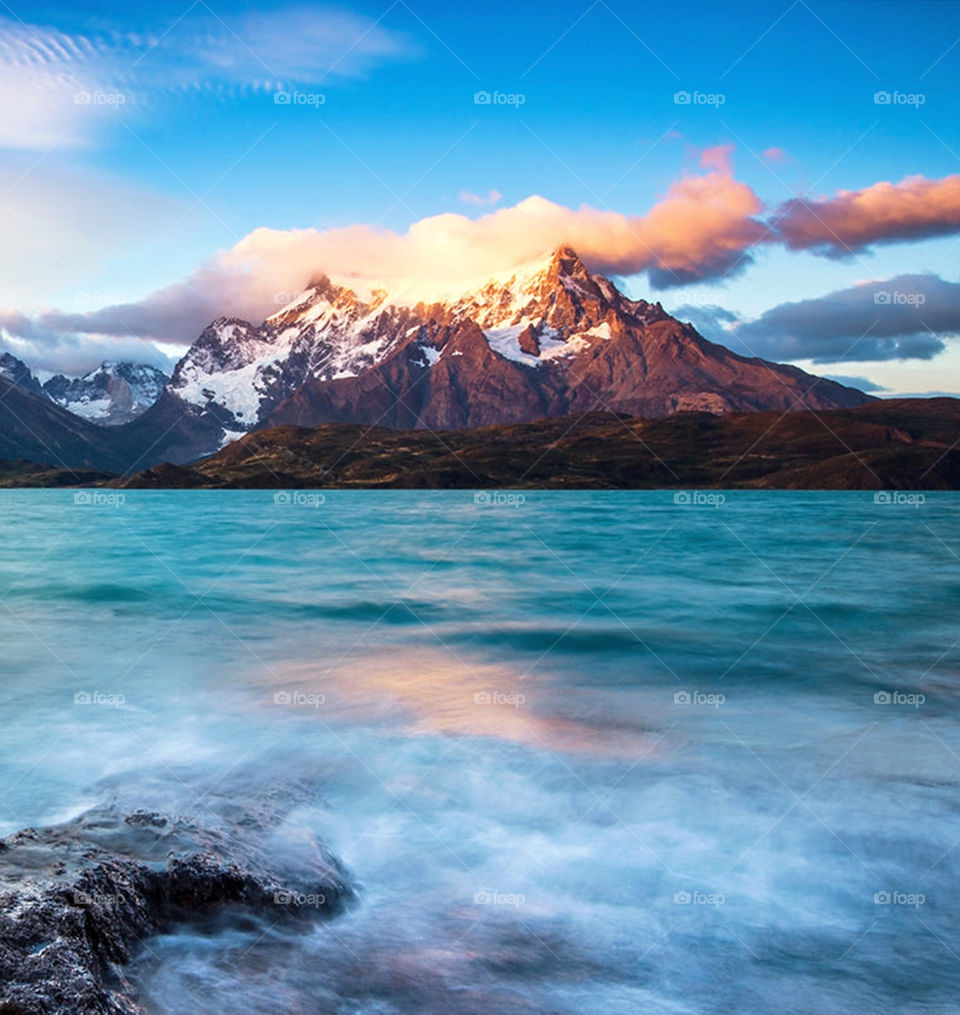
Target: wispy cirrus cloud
<point>776,156</point>
<point>58,88</point>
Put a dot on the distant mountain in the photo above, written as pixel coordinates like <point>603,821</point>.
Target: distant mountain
<point>546,340</point>
<point>113,394</point>
<point>902,444</point>
<point>33,427</point>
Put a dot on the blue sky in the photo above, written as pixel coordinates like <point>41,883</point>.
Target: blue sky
<point>119,197</point>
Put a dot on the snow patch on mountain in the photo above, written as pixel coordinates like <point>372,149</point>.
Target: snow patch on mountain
<point>505,342</point>
<point>431,355</point>
<point>600,331</point>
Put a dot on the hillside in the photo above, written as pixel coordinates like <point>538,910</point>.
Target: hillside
<point>898,444</point>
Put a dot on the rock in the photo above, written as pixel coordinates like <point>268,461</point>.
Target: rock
<point>78,899</point>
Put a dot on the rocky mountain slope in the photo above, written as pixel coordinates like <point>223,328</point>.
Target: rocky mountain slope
<point>17,371</point>
<point>546,340</point>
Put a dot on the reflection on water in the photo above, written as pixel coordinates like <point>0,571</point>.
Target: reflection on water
<point>601,753</point>
<point>436,691</point>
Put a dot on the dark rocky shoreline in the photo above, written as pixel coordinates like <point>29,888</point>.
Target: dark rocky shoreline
<point>78,899</point>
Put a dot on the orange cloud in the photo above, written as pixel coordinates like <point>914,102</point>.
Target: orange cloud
<point>490,198</point>
<point>717,158</point>
<point>914,208</point>
<point>699,228</point>
<point>703,227</point>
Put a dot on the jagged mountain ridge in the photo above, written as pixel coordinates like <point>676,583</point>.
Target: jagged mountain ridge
<point>19,373</point>
<point>547,339</point>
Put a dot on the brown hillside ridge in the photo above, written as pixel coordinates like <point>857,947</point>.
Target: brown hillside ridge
<point>903,444</point>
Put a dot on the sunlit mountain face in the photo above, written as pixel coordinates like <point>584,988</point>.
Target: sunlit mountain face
<point>549,339</point>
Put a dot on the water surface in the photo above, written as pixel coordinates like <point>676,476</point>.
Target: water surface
<point>592,752</point>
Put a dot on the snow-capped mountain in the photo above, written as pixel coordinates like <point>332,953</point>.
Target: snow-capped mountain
<point>547,339</point>
<point>112,394</point>
<point>327,334</point>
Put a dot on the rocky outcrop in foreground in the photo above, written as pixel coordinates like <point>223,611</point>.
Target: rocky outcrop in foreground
<point>77,899</point>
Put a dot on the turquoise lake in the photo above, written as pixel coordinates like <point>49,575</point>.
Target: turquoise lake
<point>581,752</point>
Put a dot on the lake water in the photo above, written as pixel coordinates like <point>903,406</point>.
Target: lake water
<point>581,752</point>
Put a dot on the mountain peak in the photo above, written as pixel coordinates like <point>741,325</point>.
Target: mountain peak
<point>567,262</point>
<point>566,267</point>
<point>542,337</point>
<point>17,371</point>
